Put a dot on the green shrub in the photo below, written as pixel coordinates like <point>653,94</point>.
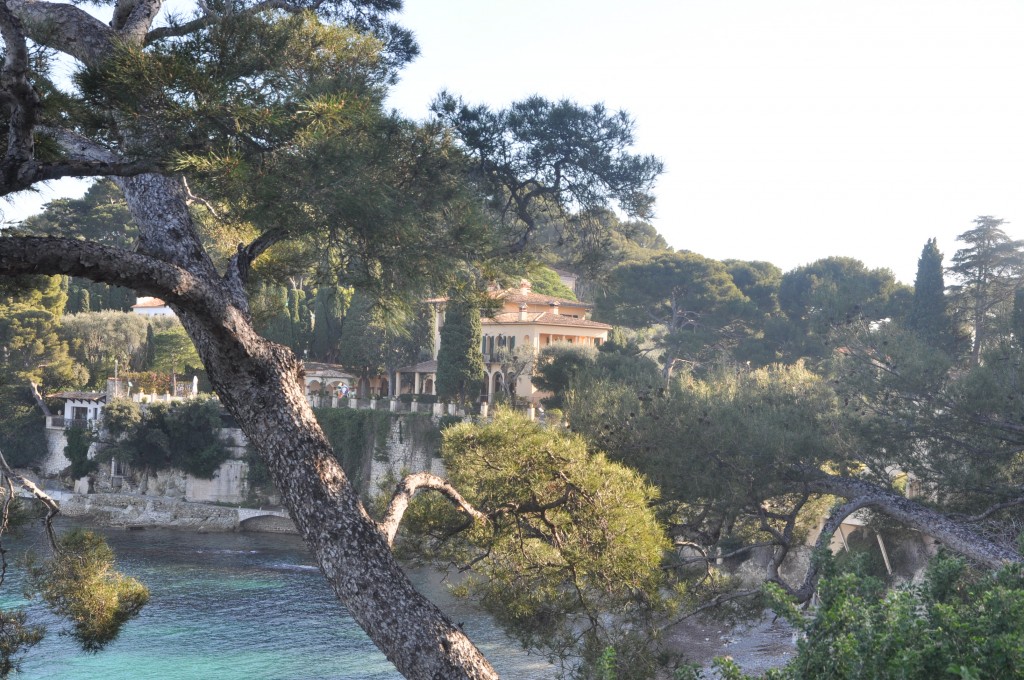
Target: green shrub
<point>77,451</point>
<point>956,624</point>
<point>184,435</point>
<point>80,584</point>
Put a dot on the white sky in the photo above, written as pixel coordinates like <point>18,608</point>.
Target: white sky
<point>790,130</point>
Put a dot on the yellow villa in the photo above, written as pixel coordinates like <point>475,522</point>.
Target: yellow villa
<point>525,319</point>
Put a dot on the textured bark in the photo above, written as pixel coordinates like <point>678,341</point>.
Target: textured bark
<point>957,536</point>
<point>65,28</point>
<point>257,381</point>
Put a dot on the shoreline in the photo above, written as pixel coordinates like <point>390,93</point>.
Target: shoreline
<point>756,645</point>
<point>135,511</point>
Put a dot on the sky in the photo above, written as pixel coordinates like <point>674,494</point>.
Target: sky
<point>790,130</point>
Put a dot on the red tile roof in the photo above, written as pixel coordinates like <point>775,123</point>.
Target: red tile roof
<point>516,296</point>
<point>545,319</point>
<point>149,302</point>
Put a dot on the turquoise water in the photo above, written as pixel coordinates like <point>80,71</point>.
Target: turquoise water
<point>238,606</point>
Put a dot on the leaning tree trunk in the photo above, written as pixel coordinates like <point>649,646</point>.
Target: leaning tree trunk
<point>957,535</point>
<point>259,383</point>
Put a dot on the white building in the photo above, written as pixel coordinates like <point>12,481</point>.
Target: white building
<point>151,306</point>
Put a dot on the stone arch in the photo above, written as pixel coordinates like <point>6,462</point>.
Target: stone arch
<point>313,387</point>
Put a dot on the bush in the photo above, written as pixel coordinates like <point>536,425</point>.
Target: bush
<point>956,624</point>
<point>184,435</point>
<point>77,451</point>
<point>80,584</point>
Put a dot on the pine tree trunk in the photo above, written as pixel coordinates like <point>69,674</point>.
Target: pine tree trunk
<point>260,384</point>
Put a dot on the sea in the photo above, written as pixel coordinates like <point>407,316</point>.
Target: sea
<point>234,606</point>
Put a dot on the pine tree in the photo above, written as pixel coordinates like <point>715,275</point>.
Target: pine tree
<point>989,271</point>
<point>149,358</point>
<point>460,364</point>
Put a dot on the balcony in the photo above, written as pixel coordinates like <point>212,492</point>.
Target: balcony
<point>62,423</point>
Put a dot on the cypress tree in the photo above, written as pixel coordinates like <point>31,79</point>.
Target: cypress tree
<point>929,316</point>
<point>301,323</point>
<point>329,303</point>
<point>78,300</point>
<point>150,356</point>
<point>460,364</point>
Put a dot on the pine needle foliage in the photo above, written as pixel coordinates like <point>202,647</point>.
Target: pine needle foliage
<point>16,637</point>
<point>80,584</point>
<point>569,560</point>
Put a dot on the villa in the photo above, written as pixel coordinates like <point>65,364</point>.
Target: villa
<point>525,319</point>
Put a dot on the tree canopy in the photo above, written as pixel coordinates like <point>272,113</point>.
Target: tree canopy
<point>988,272</point>
<point>253,143</point>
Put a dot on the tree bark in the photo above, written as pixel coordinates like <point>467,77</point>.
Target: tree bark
<point>957,536</point>
<point>259,384</point>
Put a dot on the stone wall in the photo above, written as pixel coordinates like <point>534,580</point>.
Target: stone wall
<point>410,447</point>
<point>55,461</point>
<point>132,510</point>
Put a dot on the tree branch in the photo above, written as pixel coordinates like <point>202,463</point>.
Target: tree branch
<point>65,28</point>
<point>246,255</point>
<point>52,507</point>
<point>210,18</point>
<point>714,602</point>
<point>954,534</point>
<point>240,265</point>
<point>408,488</point>
<point>23,175</point>
<point>991,511</point>
<point>53,255</point>
<point>835,518</point>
